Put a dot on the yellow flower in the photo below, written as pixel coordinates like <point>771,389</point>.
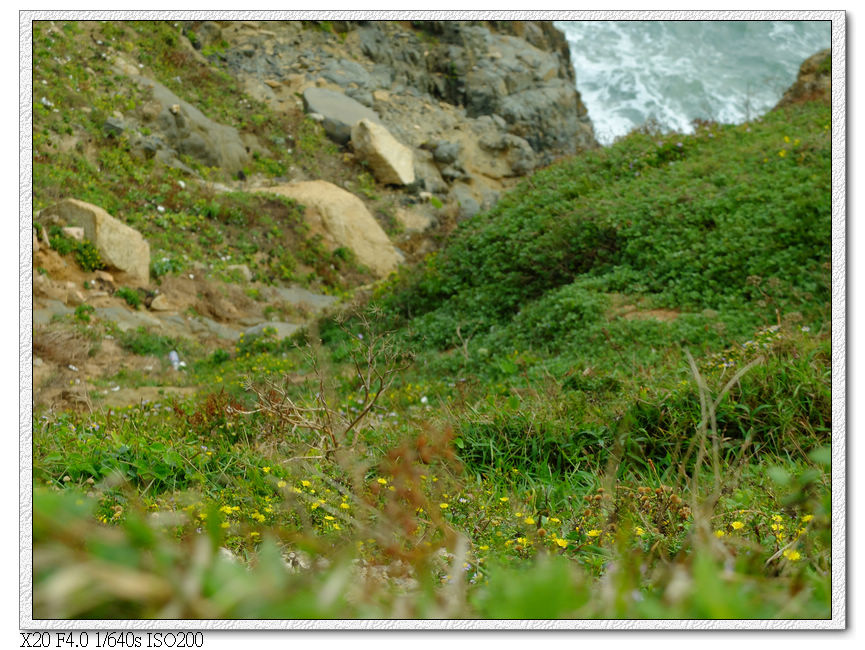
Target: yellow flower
<point>786,138</point>
<point>344,506</point>
<point>297,490</point>
<point>529,521</point>
<point>719,533</point>
<point>640,531</point>
<point>807,518</point>
<point>280,484</point>
<point>792,555</point>
<point>328,517</point>
<point>561,542</point>
<point>555,520</point>
<point>782,153</point>
<point>484,548</point>
<point>777,518</point>
<point>594,533</point>
<point>266,470</point>
<point>225,524</point>
<point>503,499</point>
<point>383,481</point>
<point>443,506</point>
<point>737,525</point>
<point>305,483</point>
<point>336,527</point>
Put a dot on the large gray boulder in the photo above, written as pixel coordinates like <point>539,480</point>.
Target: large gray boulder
<point>340,112</point>
<point>122,248</point>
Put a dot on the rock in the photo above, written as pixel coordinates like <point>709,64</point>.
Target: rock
<point>74,232</point>
<point>210,326</point>
<point>127,319</point>
<point>74,297</point>
<point>468,205</point>
<point>391,162</point>
<point>162,303</point>
<point>241,269</point>
<point>339,112</point>
<point>446,152</point>
<point>428,174</point>
<point>52,308</point>
<point>814,81</point>
<point>187,130</point>
<point>121,247</point>
<point>113,126</point>
<point>343,221</point>
<point>283,330</point>
<point>413,220</point>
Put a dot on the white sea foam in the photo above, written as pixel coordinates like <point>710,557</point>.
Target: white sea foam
<point>673,72</point>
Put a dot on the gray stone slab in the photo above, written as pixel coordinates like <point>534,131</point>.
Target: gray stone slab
<point>217,329</point>
<point>340,112</point>
<point>127,319</point>
<point>44,315</point>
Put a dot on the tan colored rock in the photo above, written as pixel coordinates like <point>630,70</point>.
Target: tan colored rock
<point>343,220</point>
<point>121,247</point>
<point>391,161</point>
<point>162,303</point>
<point>414,221</point>
<point>73,232</point>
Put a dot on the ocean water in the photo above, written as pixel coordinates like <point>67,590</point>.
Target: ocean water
<point>673,72</point>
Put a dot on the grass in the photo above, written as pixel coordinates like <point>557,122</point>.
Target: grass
<point>618,406</point>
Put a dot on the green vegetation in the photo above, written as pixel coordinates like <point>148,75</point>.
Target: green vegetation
<point>607,397</point>
<point>180,214</point>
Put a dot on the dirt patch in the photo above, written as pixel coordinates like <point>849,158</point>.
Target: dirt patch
<point>631,308</point>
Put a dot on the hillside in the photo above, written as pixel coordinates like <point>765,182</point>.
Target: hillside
<point>555,380</point>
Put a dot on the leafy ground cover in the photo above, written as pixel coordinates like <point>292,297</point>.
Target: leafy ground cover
<point>607,397</point>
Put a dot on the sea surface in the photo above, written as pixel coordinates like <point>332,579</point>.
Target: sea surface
<point>672,72</point>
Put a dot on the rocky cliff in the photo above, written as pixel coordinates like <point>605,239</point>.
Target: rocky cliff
<point>480,103</point>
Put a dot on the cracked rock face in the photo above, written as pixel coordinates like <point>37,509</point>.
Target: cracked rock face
<point>479,104</point>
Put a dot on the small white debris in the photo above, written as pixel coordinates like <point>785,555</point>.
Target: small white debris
<point>182,185</point>
<point>191,276</point>
<point>72,368</point>
<point>424,400</point>
<point>114,389</point>
<point>174,358</point>
<point>160,209</point>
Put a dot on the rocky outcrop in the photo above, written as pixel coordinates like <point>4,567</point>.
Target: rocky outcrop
<point>392,163</point>
<point>814,81</point>
<point>343,221</point>
<point>122,248</point>
<point>176,127</point>
<point>480,104</point>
